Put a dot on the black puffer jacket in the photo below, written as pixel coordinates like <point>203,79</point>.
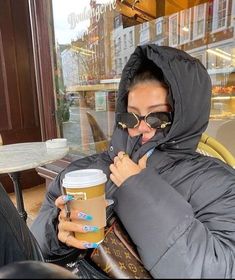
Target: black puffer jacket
<point>180,210</point>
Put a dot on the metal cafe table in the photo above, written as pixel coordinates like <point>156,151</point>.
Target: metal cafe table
<point>15,158</point>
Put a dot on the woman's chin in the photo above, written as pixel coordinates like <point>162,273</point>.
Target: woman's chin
<point>145,140</point>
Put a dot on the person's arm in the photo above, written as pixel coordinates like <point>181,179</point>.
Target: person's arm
<point>174,240</point>
<point>45,226</point>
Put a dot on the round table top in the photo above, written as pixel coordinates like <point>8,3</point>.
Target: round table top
<point>24,156</point>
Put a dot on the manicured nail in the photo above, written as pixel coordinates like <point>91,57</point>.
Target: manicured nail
<point>90,245</point>
<point>109,202</point>
<point>84,216</point>
<point>68,197</point>
<point>90,228</point>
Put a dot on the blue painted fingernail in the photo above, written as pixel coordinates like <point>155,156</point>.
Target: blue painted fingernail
<point>68,197</point>
<point>91,245</point>
<point>90,228</point>
<point>84,216</point>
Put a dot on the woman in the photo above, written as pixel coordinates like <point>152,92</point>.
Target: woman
<point>177,205</point>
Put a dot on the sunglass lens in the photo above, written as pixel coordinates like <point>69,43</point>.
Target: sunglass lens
<point>128,119</point>
<point>156,119</point>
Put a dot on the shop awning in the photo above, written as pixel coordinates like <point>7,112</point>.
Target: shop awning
<point>138,11</point>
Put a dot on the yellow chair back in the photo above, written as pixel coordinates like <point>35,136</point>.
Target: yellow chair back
<point>209,146</point>
<point>100,140</point>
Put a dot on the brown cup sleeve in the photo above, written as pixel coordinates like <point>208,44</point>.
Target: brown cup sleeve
<point>96,207</point>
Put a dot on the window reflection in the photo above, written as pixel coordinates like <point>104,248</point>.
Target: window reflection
<point>92,47</point>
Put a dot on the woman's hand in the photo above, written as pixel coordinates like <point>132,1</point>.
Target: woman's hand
<point>66,226</point>
<point>123,167</point>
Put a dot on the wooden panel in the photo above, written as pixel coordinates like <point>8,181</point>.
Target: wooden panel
<point>145,10</point>
<point>19,120</point>
<point>169,7</point>
<point>28,179</point>
<point>50,171</point>
<point>3,89</point>
<point>18,96</point>
<point>25,64</point>
<point>41,12</point>
<point>11,91</point>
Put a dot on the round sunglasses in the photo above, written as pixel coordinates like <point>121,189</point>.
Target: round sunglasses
<point>153,119</point>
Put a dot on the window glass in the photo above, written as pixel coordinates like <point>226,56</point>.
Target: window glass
<point>220,10</point>
<point>93,42</point>
<point>173,30</point>
<point>185,19</point>
<point>199,21</point>
<point>158,27</point>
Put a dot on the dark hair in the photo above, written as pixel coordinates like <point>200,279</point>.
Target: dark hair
<point>148,72</point>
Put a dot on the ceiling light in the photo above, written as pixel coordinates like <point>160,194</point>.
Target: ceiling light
<point>219,54</point>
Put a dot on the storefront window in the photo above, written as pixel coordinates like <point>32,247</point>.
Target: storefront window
<point>92,46</point>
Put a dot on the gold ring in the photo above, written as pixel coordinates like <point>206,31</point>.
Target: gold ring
<point>124,155</point>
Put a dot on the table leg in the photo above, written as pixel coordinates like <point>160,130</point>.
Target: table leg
<point>15,177</point>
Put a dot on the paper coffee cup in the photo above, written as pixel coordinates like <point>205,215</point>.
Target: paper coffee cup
<point>88,188</point>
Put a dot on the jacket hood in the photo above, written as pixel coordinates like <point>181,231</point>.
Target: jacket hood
<point>189,89</point>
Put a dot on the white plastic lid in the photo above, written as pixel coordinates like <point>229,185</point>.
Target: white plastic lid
<point>84,178</point>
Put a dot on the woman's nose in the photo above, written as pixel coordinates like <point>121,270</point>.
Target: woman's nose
<point>143,127</point>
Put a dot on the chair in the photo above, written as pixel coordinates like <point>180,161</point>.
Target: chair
<point>209,146</point>
<point>101,142</point>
